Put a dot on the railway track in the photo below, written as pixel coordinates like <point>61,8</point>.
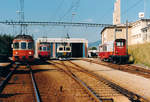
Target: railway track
<point>131,96</point>
<point>20,86</point>
<point>126,68</point>
<point>5,80</point>
<point>92,95</point>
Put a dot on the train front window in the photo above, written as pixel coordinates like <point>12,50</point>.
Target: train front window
<point>23,45</point>
<point>40,48</point>
<point>67,49</point>
<point>30,45</point>
<point>44,48</point>
<point>48,48</point>
<point>60,49</point>
<point>16,45</point>
<point>120,44</point>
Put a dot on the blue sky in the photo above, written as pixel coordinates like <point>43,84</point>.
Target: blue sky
<point>93,11</point>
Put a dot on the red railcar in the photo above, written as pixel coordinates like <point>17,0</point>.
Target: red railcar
<point>115,52</point>
<point>23,48</point>
<point>44,50</point>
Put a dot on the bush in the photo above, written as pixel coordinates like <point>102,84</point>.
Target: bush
<point>5,45</point>
<point>140,53</point>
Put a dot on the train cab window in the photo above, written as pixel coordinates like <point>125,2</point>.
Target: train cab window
<point>48,48</point>
<point>40,48</point>
<point>30,45</point>
<point>67,49</point>
<point>120,44</point>
<point>104,48</point>
<point>23,45</point>
<point>44,48</point>
<point>16,45</point>
<point>60,49</point>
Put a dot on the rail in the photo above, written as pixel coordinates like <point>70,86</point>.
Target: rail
<point>131,95</point>
<point>4,82</point>
<point>82,84</point>
<point>37,94</point>
<point>126,68</point>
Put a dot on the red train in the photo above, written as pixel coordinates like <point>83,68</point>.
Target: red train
<point>23,48</point>
<point>114,52</point>
<point>44,50</point>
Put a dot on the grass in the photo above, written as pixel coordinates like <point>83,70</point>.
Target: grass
<point>140,54</point>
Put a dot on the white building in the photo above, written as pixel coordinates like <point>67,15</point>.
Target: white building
<point>137,35</point>
<point>146,33</point>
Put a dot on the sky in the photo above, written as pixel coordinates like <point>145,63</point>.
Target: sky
<point>89,11</point>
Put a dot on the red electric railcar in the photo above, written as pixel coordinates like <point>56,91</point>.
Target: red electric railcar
<point>115,52</point>
<point>44,50</point>
<point>23,48</point>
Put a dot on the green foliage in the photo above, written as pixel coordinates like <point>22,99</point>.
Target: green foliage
<point>5,44</point>
<point>140,53</point>
<point>93,48</point>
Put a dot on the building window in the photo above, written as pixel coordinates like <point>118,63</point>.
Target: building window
<point>118,30</point>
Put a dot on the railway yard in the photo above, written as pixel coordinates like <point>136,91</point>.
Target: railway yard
<point>76,80</point>
<point>75,56</point>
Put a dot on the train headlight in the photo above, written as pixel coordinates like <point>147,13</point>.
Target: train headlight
<point>30,53</point>
<point>16,53</point>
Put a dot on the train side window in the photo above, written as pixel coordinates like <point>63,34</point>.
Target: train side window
<point>23,45</point>
<point>16,45</point>
<point>104,48</point>
<point>30,45</point>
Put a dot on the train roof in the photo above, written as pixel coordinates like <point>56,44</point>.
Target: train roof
<point>24,37</point>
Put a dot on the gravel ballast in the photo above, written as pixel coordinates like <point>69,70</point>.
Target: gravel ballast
<point>131,82</point>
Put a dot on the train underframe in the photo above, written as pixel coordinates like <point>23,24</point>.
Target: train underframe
<point>63,55</point>
<point>23,59</point>
<point>44,57</point>
<point>119,59</point>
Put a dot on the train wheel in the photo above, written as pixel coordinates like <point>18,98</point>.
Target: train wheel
<point>114,62</point>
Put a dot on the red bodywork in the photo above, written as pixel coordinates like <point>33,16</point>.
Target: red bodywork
<point>44,50</point>
<point>26,54</point>
<point>118,49</point>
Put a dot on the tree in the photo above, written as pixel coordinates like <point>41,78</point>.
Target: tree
<point>94,48</point>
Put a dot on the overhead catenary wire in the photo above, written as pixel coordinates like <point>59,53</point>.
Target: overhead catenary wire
<point>74,6</point>
<point>58,9</point>
<point>131,7</point>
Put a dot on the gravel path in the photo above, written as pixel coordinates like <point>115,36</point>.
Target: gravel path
<point>136,84</point>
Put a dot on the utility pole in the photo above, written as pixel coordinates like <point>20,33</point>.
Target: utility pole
<point>115,27</point>
<point>127,36</point>
<point>21,17</point>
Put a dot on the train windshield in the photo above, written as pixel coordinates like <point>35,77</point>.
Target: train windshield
<point>120,44</point>
<point>68,49</point>
<point>44,48</point>
<point>23,45</point>
<point>60,49</point>
<point>48,48</point>
<point>30,45</point>
<point>16,45</point>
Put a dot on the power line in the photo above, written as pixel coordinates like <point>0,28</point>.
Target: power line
<point>74,6</point>
<point>131,7</point>
<point>58,9</point>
